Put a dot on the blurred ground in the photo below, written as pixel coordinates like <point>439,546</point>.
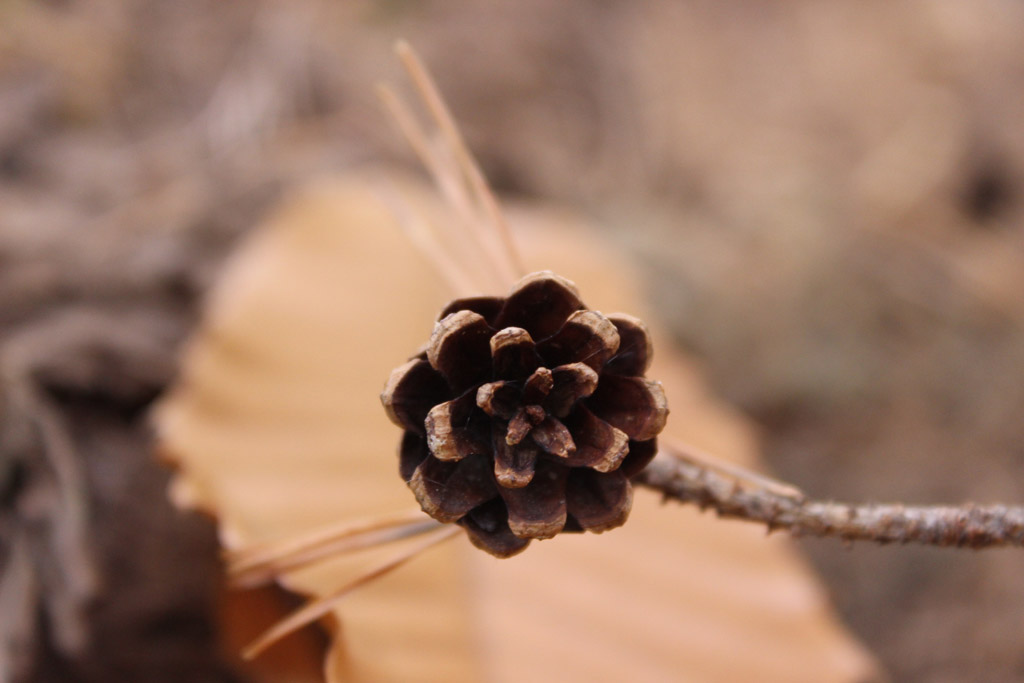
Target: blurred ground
<point>827,195</point>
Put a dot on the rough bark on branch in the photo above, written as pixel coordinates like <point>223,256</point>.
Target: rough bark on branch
<point>967,526</point>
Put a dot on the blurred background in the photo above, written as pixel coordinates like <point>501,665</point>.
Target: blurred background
<point>825,199</point>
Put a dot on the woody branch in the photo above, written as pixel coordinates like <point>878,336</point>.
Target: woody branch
<point>967,526</point>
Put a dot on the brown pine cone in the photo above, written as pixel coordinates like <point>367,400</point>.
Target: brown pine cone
<point>527,415</point>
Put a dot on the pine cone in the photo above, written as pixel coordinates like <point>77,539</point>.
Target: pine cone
<point>526,416</point>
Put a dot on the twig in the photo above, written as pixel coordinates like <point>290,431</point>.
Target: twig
<point>966,526</point>
<point>70,581</point>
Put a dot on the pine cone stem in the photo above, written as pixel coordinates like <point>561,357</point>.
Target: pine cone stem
<point>967,526</point>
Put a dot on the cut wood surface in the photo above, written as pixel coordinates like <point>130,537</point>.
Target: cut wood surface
<point>277,428</point>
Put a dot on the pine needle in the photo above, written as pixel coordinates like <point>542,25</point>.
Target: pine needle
<point>260,564</point>
<point>321,606</point>
<point>692,455</point>
<point>425,239</point>
<point>500,241</point>
<point>441,166</point>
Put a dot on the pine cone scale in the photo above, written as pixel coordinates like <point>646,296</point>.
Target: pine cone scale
<point>411,391</point>
<point>411,453</point>
<point>451,432</point>
<point>447,491</point>
<point>571,383</point>
<point>537,387</point>
<point>587,337</point>
<point>540,304</point>
<point>519,427</point>
<point>487,307</point>
<point>460,349</point>
<point>513,353</point>
<point>598,503</point>
<point>640,453</point>
<point>635,405</point>
<point>634,353</point>
<point>514,465</point>
<point>554,438</point>
<point>599,445</point>
<point>498,399</point>
<point>487,528</point>
<point>538,510</point>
